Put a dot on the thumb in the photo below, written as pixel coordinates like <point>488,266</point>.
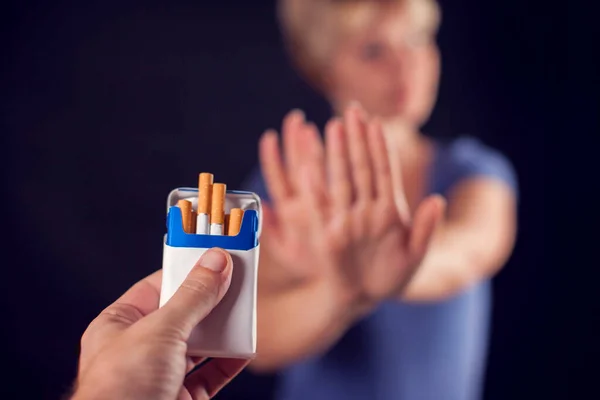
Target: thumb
<point>429,213</point>
<point>200,292</point>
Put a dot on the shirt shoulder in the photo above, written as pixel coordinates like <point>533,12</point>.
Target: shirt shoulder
<point>467,157</point>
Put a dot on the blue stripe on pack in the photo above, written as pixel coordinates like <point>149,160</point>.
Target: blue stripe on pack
<point>246,239</point>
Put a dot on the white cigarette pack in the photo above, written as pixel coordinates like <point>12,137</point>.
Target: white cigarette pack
<point>230,329</point>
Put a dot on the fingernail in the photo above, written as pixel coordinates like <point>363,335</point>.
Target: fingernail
<point>215,260</point>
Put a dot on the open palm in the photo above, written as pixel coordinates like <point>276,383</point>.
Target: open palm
<point>335,213</point>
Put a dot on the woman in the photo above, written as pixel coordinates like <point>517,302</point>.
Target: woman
<point>387,310</point>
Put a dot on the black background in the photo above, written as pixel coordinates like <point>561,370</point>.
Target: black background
<point>107,105</point>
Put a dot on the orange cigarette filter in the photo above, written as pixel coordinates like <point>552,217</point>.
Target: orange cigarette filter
<point>217,206</point>
<point>205,182</point>
<point>235,221</point>
<point>186,214</point>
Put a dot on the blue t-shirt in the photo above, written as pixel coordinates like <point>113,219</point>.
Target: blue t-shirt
<point>408,351</point>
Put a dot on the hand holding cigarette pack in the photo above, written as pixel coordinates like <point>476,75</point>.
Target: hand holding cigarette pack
<point>197,220</point>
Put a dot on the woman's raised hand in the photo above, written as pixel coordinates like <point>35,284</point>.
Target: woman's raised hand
<point>333,214</point>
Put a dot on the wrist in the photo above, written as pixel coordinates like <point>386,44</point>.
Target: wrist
<point>348,303</point>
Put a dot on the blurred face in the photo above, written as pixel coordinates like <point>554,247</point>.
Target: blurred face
<point>391,66</point>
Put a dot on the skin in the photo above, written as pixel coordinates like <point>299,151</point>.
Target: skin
<point>133,350</point>
<point>391,66</point>
<point>371,233</point>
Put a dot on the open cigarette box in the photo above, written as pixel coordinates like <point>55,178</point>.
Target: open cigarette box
<point>230,329</point>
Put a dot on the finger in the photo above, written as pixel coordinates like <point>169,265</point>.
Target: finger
<point>292,127</point>
<point>400,198</point>
<point>184,394</point>
<point>273,168</point>
<point>313,184</point>
<point>197,359</point>
<point>316,149</point>
<point>193,362</point>
<point>140,300</point>
<point>200,292</point>
<point>312,192</point>
<point>337,165</point>
<point>212,377</point>
<point>381,164</point>
<point>362,174</point>
<point>398,189</point>
<point>428,215</point>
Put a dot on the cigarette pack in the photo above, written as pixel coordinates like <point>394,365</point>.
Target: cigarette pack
<point>230,329</point>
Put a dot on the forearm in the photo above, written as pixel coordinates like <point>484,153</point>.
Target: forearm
<point>456,260</point>
<point>299,322</point>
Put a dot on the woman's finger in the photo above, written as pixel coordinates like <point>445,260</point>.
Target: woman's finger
<point>293,125</point>
<point>273,168</point>
<point>381,164</point>
<point>211,377</point>
<point>314,186</point>
<point>427,217</point>
<point>316,150</point>
<point>313,196</point>
<point>398,187</point>
<point>398,192</point>
<point>338,169</point>
<point>358,149</point>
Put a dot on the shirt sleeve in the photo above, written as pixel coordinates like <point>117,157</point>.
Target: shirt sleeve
<point>468,158</point>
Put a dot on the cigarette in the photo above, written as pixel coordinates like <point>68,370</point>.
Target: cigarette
<point>205,183</point>
<point>186,215</point>
<point>217,209</point>
<point>235,221</point>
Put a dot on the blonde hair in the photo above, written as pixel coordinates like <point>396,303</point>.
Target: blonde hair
<point>310,27</point>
